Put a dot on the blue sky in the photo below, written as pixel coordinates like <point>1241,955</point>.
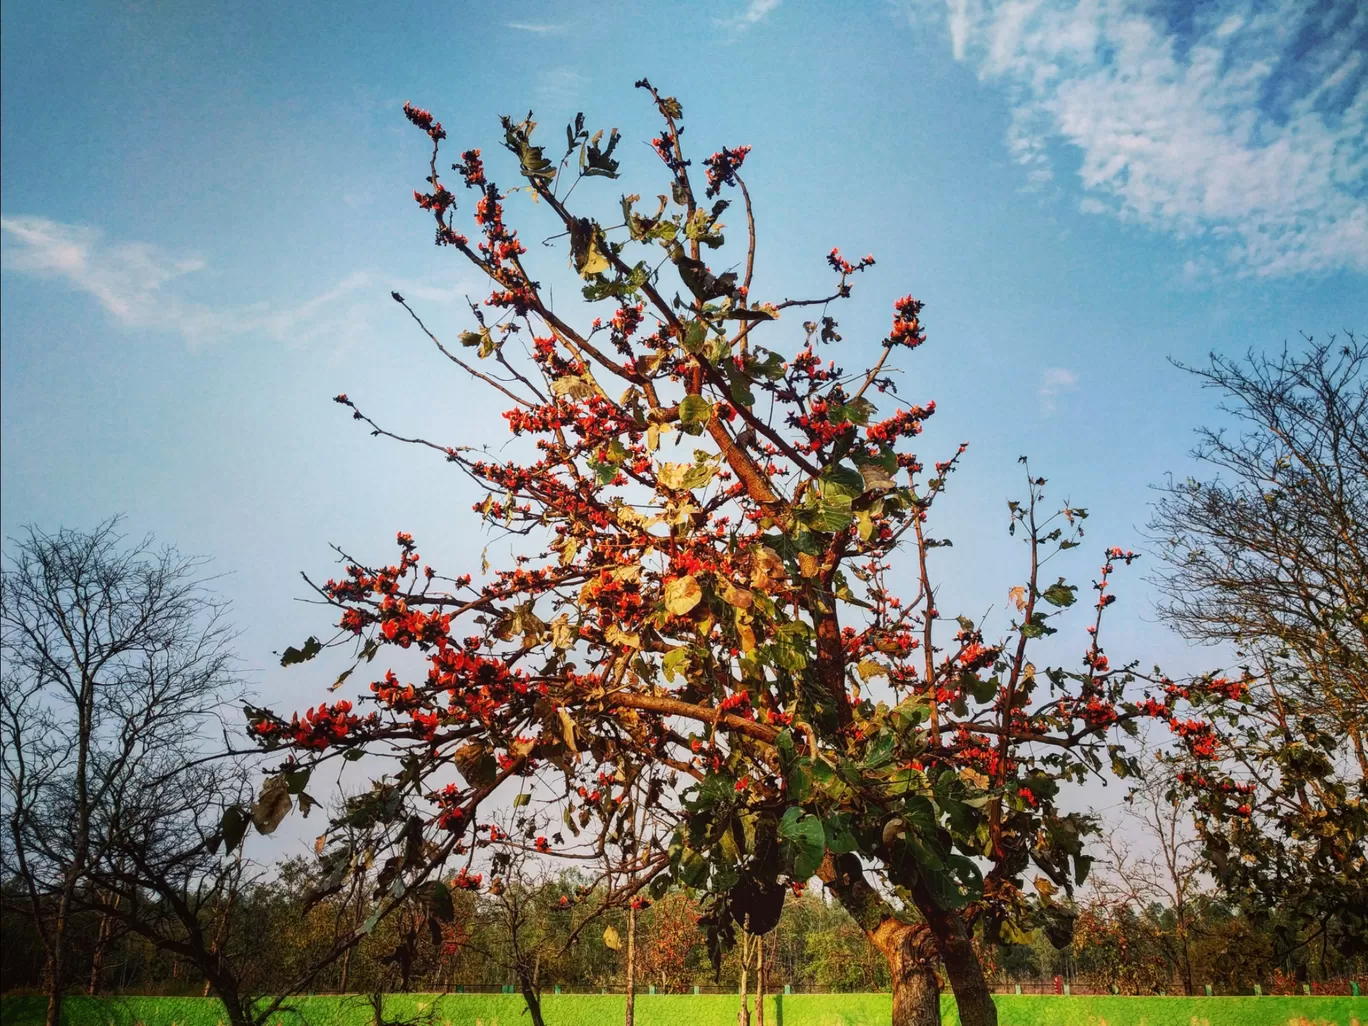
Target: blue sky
<point>205,207</point>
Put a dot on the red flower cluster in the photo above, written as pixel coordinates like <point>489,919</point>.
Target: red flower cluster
<point>844,266</point>
<point>466,881</point>
<point>903,424</point>
<point>722,168</point>
<point>906,324</point>
<point>423,119</point>
<point>472,170</point>
<point>450,816</point>
<point>321,728</point>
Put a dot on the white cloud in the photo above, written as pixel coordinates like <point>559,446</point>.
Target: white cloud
<point>537,28</point>
<point>560,87</point>
<point>755,12</point>
<point>1245,135</point>
<point>1054,382</point>
<point>141,287</point>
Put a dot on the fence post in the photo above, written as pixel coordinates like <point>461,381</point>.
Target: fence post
<point>1353,988</point>
<point>1306,990</point>
<point>788,988</point>
<point>1208,990</point>
<point>695,988</point>
<point>651,988</point>
<point>1066,990</point>
<point>1258,991</point>
<point>1018,988</point>
<point>558,988</point>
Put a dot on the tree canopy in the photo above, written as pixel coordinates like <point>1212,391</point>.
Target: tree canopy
<point>705,618</point>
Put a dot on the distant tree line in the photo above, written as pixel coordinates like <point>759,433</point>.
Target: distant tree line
<point>276,930</point>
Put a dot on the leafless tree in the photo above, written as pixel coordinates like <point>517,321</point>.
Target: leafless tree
<point>1163,873</point>
<point>115,664</point>
<point>1271,554</point>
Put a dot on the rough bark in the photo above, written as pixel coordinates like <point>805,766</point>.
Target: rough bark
<point>909,948</point>
<point>962,967</point>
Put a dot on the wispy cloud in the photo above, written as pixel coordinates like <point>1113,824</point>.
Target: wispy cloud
<point>1242,131</point>
<point>141,286</point>
<point>537,28</point>
<point>560,87</point>
<point>754,12</point>
<point>1054,382</point>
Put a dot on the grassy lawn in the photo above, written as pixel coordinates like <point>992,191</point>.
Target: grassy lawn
<point>708,1010</point>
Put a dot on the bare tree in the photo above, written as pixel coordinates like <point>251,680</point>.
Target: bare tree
<point>1272,553</point>
<point>114,665</point>
<point>1163,876</point>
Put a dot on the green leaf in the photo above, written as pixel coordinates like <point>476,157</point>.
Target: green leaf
<point>1060,594</point>
<point>701,281</point>
<point>804,840</point>
<point>1036,628</point>
<point>784,746</point>
<point>740,390</point>
<point>521,799</point>
<point>234,826</point>
<point>695,334</point>
<point>694,410</point>
<point>833,514</point>
<point>840,482</point>
<point>297,780</point>
<point>839,838</point>
<point>611,938</point>
<point>675,662</point>
<point>301,655</point>
<point>880,752</point>
<point>439,900</point>
<point>600,163</point>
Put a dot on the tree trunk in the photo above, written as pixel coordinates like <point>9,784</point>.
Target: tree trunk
<point>743,1016</point>
<point>98,957</point>
<point>532,998</point>
<point>961,961</point>
<point>232,1005</point>
<point>909,949</point>
<point>56,971</point>
<point>910,953</point>
<point>760,987</point>
<point>630,1014</point>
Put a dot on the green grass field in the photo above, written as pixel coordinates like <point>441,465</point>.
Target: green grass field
<point>709,1010</point>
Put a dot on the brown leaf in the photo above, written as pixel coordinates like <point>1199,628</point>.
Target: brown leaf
<point>736,596</point>
<point>272,805</point>
<point>475,764</point>
<point>767,570</point>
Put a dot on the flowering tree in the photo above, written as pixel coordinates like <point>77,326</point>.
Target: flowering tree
<point>715,628</point>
